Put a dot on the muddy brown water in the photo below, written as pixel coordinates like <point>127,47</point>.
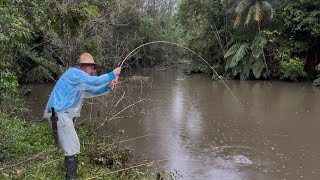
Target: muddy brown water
<point>205,134</point>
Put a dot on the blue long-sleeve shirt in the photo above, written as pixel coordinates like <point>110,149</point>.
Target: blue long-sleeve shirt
<point>72,87</point>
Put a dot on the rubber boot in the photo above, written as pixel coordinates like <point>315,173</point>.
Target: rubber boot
<point>71,165</point>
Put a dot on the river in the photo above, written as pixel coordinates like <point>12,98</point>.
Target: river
<point>202,132</point>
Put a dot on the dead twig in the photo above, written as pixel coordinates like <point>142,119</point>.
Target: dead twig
<point>120,99</point>
<point>125,108</point>
<point>125,169</point>
<point>127,140</point>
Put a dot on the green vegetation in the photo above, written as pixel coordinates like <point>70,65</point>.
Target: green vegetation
<point>244,39</point>
<point>241,39</point>
<point>41,38</point>
<point>293,69</point>
<point>99,155</point>
<point>10,103</point>
<point>254,39</point>
<point>317,81</point>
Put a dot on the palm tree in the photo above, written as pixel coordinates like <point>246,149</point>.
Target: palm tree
<point>250,10</point>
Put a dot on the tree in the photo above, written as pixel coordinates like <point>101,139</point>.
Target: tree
<point>203,27</point>
<point>42,38</point>
<point>302,21</point>
<point>250,10</point>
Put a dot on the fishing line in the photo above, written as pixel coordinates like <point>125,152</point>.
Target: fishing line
<point>179,45</point>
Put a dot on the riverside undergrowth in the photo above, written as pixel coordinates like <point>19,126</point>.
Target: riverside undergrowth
<point>28,152</point>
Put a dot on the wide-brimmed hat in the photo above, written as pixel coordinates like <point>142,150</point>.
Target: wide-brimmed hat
<point>86,58</point>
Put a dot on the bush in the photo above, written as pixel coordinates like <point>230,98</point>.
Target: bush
<point>293,70</point>
<point>317,81</point>
<point>9,100</point>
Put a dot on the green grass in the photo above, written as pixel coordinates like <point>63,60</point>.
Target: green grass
<point>21,140</point>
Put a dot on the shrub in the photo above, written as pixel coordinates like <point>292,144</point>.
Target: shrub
<point>317,81</point>
<point>293,69</point>
<point>9,100</point>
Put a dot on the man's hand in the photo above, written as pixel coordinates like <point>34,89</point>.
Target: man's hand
<point>114,82</point>
<point>117,71</point>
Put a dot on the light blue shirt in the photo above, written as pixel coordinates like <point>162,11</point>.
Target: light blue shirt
<point>70,90</point>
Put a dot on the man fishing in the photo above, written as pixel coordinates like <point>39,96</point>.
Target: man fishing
<point>65,104</point>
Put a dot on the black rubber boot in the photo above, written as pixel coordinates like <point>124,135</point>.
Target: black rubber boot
<point>71,165</point>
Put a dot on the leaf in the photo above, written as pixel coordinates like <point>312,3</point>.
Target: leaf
<point>237,21</point>
<point>257,52</point>
<point>267,7</point>
<point>242,6</point>
<point>259,41</point>
<point>249,16</point>
<point>242,51</point>
<point>246,70</point>
<point>239,51</point>
<point>257,68</point>
<point>257,12</point>
<point>232,50</point>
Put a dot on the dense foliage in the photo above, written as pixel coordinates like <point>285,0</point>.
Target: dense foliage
<point>40,39</point>
<point>254,39</point>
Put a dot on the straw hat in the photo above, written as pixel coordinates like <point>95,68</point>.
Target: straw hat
<point>86,58</point>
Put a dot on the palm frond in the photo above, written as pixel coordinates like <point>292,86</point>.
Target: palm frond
<point>242,51</point>
<point>249,16</point>
<point>256,52</point>
<point>237,21</point>
<point>259,41</point>
<point>245,71</point>
<point>257,11</point>
<point>227,2</point>
<point>232,50</point>
<point>257,68</point>
<point>239,55</point>
<point>257,46</point>
<point>267,7</point>
<point>243,6</point>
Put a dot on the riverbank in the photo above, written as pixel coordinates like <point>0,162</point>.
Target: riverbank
<point>27,151</point>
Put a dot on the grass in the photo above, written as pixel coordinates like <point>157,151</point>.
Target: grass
<point>99,156</point>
